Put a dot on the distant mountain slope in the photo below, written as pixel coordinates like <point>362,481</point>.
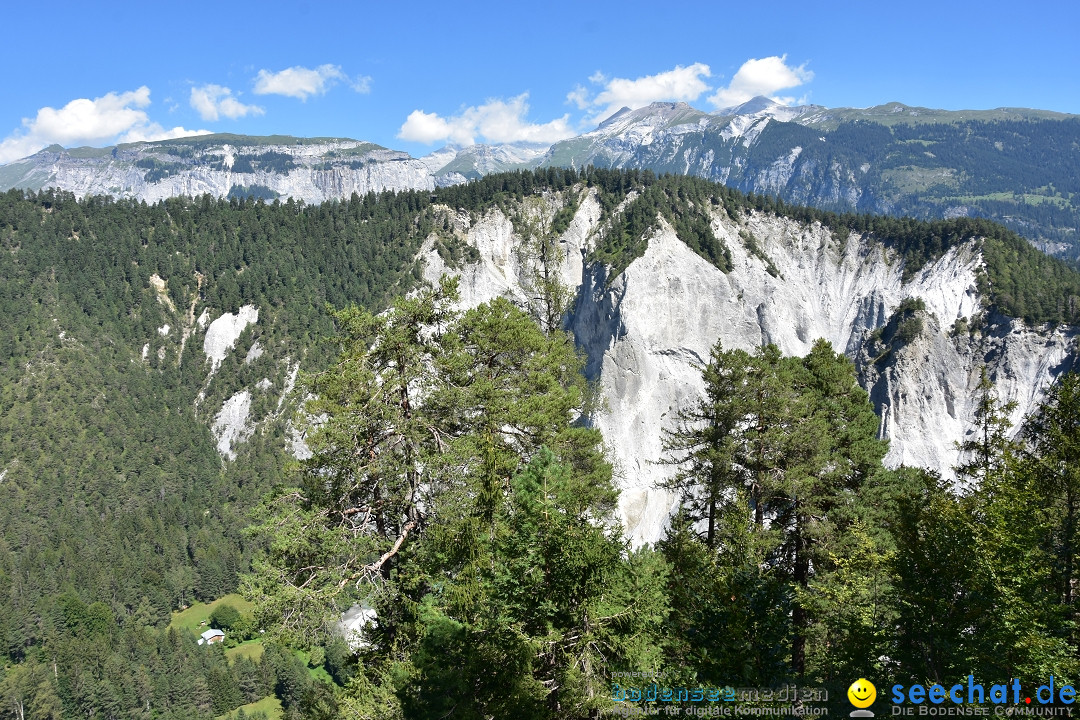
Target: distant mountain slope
<point>1016,166</point>
<point>312,170</point>
<point>271,167</point>
<point>1021,168</point>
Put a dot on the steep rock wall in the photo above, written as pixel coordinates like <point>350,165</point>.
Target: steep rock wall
<point>925,391</point>
<point>647,332</point>
<point>310,184</point>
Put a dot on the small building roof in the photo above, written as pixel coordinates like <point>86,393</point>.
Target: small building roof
<point>212,634</point>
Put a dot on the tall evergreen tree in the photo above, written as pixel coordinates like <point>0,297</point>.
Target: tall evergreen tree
<point>795,440</point>
<point>1052,436</point>
<point>992,452</point>
<point>452,487</point>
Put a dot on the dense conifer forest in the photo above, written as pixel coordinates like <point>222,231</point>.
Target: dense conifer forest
<point>478,521</point>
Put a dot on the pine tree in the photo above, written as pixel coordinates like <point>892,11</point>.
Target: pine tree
<point>992,450</point>
<point>703,444</point>
<point>366,488</point>
<point>788,444</point>
<point>452,486</point>
<point>541,256</point>
<point>936,539</point>
<point>1011,581</point>
<point>1052,436</point>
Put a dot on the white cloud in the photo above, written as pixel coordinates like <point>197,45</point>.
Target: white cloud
<point>681,84</point>
<point>154,132</point>
<point>429,127</point>
<point>763,76</point>
<point>114,116</point>
<point>579,96</point>
<point>362,84</point>
<point>212,101</point>
<point>497,121</point>
<point>96,119</point>
<point>14,147</point>
<point>301,82</point>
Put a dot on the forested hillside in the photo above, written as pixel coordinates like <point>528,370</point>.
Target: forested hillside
<point>927,164</point>
<point>452,489</point>
<point>113,494</point>
<point>117,508</point>
<point>1021,172</point>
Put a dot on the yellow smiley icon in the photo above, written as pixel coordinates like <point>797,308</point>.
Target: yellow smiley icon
<point>862,693</point>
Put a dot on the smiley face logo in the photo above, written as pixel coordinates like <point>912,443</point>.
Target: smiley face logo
<point>862,693</point>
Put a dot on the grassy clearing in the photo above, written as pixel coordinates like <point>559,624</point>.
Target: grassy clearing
<point>269,705</point>
<point>191,618</point>
<point>1022,198</point>
<point>318,673</point>
<point>910,178</point>
<point>251,649</point>
<point>358,151</point>
<point>321,675</point>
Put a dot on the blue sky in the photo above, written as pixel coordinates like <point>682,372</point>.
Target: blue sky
<point>418,75</point>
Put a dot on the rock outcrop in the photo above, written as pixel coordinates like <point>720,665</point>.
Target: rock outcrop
<point>647,332</point>
<point>311,170</point>
<point>222,334</point>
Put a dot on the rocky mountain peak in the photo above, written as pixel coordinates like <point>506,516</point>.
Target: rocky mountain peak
<point>754,105</point>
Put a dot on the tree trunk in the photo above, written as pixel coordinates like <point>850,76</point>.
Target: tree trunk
<point>710,539</point>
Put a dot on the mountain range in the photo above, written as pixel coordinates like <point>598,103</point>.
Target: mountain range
<point>1016,166</point>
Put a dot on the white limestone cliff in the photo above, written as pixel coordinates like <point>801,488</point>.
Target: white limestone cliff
<point>925,392</point>
<point>223,333</point>
<point>231,425</point>
<point>647,332</point>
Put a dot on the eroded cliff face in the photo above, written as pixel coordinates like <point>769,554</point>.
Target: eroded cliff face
<point>925,392</point>
<point>311,170</point>
<point>647,332</point>
<point>313,179</point>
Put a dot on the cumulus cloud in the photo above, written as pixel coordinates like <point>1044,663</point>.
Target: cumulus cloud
<point>497,121</point>
<point>301,82</point>
<point>213,101</point>
<point>114,116</point>
<point>96,119</point>
<point>681,84</point>
<point>154,132</point>
<point>16,146</point>
<point>763,76</point>
<point>578,96</point>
